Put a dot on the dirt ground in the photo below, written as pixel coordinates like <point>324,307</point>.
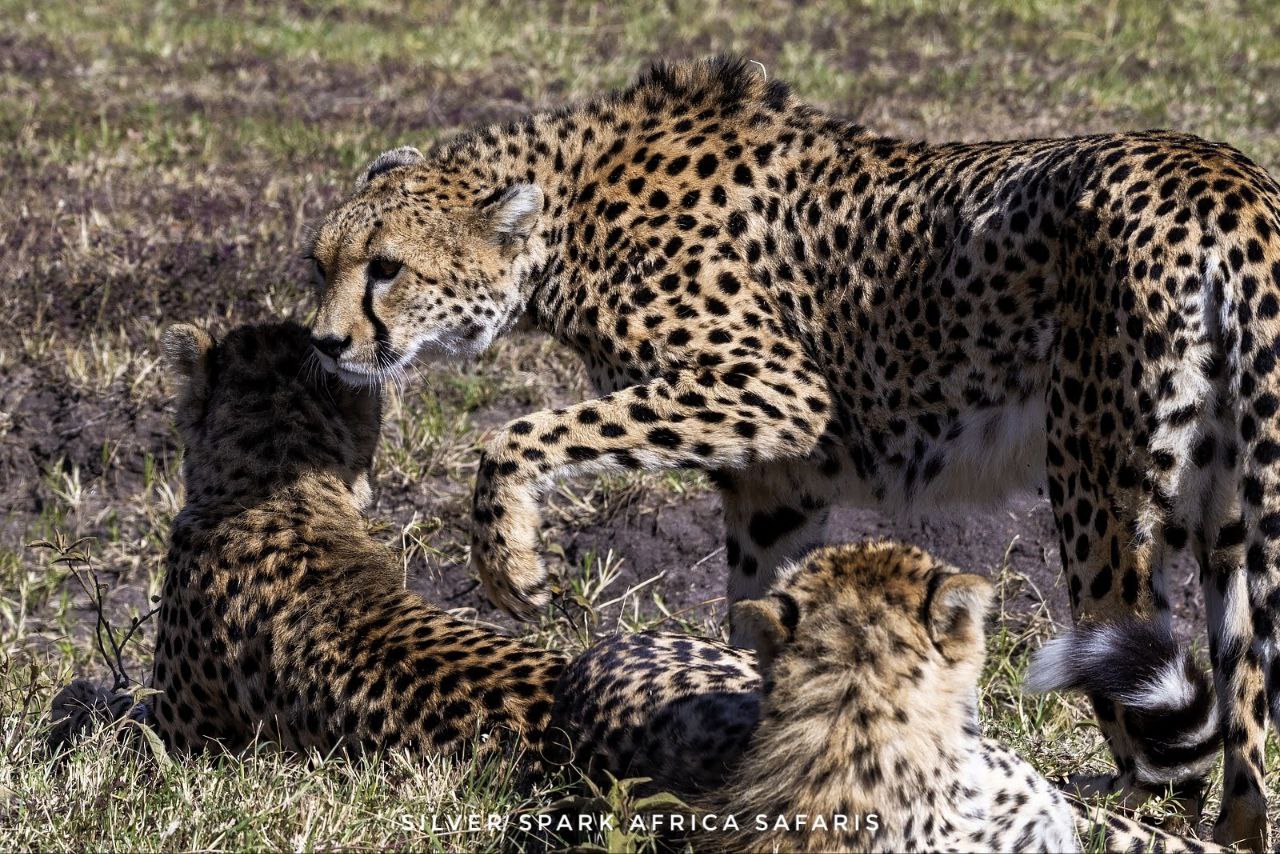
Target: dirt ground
<point>682,540</point>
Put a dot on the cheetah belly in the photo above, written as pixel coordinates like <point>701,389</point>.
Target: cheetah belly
<point>999,452</point>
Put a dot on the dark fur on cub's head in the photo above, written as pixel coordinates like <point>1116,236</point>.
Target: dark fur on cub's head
<point>255,411</point>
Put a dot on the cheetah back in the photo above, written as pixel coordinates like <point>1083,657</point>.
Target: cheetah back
<point>673,708</point>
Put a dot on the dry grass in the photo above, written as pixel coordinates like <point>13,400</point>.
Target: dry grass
<point>164,161</point>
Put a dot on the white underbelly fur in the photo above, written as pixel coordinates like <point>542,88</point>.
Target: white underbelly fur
<point>1000,453</point>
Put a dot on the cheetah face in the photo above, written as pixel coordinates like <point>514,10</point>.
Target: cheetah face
<point>408,266</point>
<point>878,605</point>
<point>254,410</point>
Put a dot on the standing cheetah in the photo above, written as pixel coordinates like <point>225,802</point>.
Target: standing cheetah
<point>816,314</point>
<point>280,614</point>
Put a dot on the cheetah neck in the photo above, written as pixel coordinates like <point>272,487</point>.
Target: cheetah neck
<point>555,151</point>
<point>604,164</point>
<point>834,741</point>
<point>313,524</point>
<point>306,498</point>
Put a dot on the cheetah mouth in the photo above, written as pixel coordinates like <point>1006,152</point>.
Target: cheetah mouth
<point>360,377</point>
<point>352,374</point>
<point>394,369</point>
<point>394,364</point>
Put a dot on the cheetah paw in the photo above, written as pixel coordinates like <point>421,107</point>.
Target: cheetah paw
<point>514,581</point>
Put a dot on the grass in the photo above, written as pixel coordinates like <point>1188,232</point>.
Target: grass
<point>164,162</point>
<point>107,796</point>
<point>113,792</point>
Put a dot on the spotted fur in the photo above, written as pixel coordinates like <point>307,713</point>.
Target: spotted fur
<point>817,314</point>
<point>281,617</point>
<point>871,656</point>
<point>673,708</point>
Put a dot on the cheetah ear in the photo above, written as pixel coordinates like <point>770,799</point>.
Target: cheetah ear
<point>765,625</point>
<point>405,155</point>
<point>513,216</point>
<point>185,350</point>
<point>957,610</point>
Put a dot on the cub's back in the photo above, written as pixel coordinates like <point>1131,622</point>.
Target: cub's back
<point>674,708</point>
<point>281,617</point>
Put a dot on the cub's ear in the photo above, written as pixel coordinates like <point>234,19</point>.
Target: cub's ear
<point>185,350</point>
<point>405,155</point>
<point>513,216</point>
<point>766,625</point>
<point>958,606</point>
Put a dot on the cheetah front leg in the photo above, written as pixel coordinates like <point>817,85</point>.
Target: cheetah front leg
<point>772,513</point>
<point>749,413</point>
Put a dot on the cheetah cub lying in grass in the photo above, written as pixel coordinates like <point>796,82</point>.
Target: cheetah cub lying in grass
<point>870,656</point>
<point>281,618</point>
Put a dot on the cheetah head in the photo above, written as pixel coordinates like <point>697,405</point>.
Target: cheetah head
<point>904,621</point>
<point>417,261</point>
<point>254,411</point>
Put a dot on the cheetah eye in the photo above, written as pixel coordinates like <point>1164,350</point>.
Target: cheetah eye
<point>384,269</point>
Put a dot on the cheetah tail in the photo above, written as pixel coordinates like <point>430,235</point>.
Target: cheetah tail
<point>1169,703</point>
<point>83,706</point>
<point>1102,830</point>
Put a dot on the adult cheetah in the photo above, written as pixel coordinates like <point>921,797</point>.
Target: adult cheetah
<point>281,616</point>
<point>817,314</point>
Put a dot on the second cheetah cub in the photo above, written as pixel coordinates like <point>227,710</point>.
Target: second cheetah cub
<point>871,656</point>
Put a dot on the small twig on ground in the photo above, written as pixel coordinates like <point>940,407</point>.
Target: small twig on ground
<point>13,737</point>
<point>80,562</point>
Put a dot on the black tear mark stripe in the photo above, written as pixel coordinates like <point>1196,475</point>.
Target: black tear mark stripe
<point>381,336</point>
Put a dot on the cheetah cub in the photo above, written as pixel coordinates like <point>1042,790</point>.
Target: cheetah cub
<point>871,656</point>
<point>280,615</point>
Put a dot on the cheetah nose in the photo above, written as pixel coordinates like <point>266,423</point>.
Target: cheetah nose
<point>331,345</point>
